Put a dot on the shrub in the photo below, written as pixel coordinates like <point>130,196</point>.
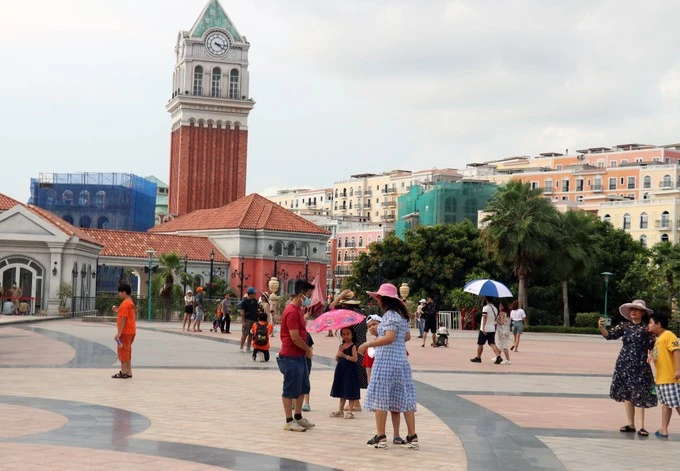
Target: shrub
<point>587,319</point>
<point>538,317</point>
<point>559,329</point>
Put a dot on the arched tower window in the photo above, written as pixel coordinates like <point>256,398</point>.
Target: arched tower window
<point>100,199</point>
<point>643,240</point>
<point>278,248</point>
<point>666,181</point>
<point>626,221</point>
<point>84,198</point>
<point>361,241</point>
<point>607,218</point>
<point>103,222</point>
<point>215,86</point>
<point>665,219</point>
<point>291,249</point>
<point>647,182</point>
<point>643,221</point>
<point>664,238</point>
<point>68,218</point>
<point>233,84</point>
<point>67,197</point>
<point>85,222</point>
<point>198,81</point>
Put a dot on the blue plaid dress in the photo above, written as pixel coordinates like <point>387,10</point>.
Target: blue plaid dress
<point>391,387</point>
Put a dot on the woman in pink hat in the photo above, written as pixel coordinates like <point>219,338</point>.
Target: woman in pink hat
<point>633,382</point>
<point>391,388</point>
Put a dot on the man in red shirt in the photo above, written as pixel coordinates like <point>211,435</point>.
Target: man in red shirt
<point>293,356</point>
<point>127,328</point>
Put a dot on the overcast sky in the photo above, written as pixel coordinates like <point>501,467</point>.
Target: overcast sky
<point>341,87</point>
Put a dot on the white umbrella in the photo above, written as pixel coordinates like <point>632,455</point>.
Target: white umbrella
<point>486,287</point>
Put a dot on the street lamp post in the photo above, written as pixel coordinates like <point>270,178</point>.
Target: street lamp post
<point>243,262</point>
<point>212,259</point>
<point>150,253</point>
<point>307,268</point>
<point>184,287</point>
<point>606,275</point>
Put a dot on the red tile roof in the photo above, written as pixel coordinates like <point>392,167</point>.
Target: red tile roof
<point>64,226</point>
<point>250,212</point>
<point>135,244</point>
<point>6,202</point>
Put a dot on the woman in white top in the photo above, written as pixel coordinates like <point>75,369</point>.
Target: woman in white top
<point>519,322</point>
<point>188,309</point>
<point>503,331</point>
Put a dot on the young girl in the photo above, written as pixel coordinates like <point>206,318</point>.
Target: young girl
<point>372,322</point>
<point>346,380</point>
<point>188,309</point>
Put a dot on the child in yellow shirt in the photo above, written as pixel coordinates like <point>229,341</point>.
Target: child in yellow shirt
<point>666,357</point>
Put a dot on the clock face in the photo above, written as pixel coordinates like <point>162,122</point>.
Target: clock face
<point>217,43</point>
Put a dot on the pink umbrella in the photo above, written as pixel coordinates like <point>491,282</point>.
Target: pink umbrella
<point>335,319</point>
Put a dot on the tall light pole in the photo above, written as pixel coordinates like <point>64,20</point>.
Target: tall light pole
<point>184,287</point>
<point>212,260</point>
<point>307,268</point>
<point>606,274</point>
<point>150,253</point>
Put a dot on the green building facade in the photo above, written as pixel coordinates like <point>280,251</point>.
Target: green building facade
<point>442,203</point>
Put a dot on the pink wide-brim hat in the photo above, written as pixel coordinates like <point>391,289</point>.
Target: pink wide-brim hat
<point>624,309</point>
<point>386,290</point>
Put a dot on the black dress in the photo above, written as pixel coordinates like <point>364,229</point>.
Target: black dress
<point>359,338</point>
<point>633,380</point>
<point>346,379</point>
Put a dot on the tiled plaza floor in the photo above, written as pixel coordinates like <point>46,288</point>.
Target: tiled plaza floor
<point>196,403</point>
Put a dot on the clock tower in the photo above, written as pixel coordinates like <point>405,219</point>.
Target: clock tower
<point>209,110</point>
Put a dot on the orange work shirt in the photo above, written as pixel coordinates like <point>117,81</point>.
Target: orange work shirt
<point>127,310</point>
<point>270,329</point>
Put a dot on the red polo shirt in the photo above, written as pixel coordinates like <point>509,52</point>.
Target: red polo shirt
<point>292,319</point>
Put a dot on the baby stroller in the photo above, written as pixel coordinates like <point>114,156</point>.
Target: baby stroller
<point>442,339</point>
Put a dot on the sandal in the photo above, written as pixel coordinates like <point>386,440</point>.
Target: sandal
<point>643,433</point>
<point>398,441</point>
<point>378,441</point>
<point>627,429</point>
<point>337,413</point>
<point>120,375</point>
<point>348,415</point>
<point>412,441</point>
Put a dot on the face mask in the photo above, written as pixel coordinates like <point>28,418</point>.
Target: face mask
<point>307,301</point>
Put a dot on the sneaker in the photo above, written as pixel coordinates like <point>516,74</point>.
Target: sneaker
<point>240,350</point>
<point>247,350</point>
<point>306,423</point>
<point>476,360</point>
<point>306,408</point>
<point>498,361</point>
<point>294,426</point>
<point>507,362</point>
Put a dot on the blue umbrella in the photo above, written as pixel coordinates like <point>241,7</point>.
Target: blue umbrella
<point>485,287</point>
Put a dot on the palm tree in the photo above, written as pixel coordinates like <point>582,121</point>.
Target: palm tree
<point>574,250</point>
<point>521,223</point>
<point>168,272</point>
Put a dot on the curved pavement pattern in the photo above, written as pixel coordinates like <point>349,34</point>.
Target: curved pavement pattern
<point>195,399</point>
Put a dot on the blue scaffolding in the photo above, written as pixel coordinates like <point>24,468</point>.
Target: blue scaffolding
<point>121,201</point>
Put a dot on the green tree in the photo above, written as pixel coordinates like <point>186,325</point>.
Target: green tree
<point>520,225</point>
<point>573,251</point>
<point>168,272</point>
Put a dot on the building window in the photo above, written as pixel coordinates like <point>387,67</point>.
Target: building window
<point>607,218</point>
<point>626,221</point>
<point>84,198</point>
<point>361,241</point>
<point>377,239</point>
<point>579,185</point>
<point>85,222</point>
<point>68,218</point>
<point>278,248</point>
<point>534,185</point>
<point>291,249</point>
<point>647,182</point>
<point>233,84</point>
<point>559,167</point>
<point>643,221</point>
<point>613,163</point>
<point>347,255</point>
<point>624,162</point>
<point>643,240</point>
<point>339,242</point>
<point>198,81</point>
<point>100,199</point>
<point>666,181</point>
<point>67,197</point>
<point>631,183</point>
<point>600,164</point>
<point>665,220</point>
<point>579,198</point>
<point>216,81</point>
<point>664,237</point>
<point>339,256</point>
<point>103,223</point>
<point>565,185</point>
<point>645,196</point>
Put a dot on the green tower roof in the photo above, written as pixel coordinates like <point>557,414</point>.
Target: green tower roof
<point>214,16</point>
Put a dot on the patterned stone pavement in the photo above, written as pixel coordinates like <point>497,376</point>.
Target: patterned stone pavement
<point>196,403</point>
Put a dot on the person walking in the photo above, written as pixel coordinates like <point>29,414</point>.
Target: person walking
<point>503,331</point>
<point>632,382</point>
<point>225,321</point>
<point>249,308</point>
<point>419,318</point>
<point>391,388</point>
<point>261,332</point>
<point>199,309</point>
<point>487,332</point>
<point>346,379</point>
<point>126,325</point>
<point>430,312</point>
<point>519,322</point>
<point>292,358</point>
<point>666,358</point>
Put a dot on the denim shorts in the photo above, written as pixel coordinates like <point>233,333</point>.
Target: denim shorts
<point>295,376</point>
<point>517,327</point>
<point>199,314</point>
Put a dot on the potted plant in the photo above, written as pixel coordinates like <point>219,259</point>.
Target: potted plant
<point>64,293</point>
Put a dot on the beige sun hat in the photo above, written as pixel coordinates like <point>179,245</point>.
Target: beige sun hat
<point>624,309</point>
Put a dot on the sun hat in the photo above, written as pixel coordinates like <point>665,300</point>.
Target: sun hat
<point>422,301</point>
<point>386,290</point>
<point>637,304</point>
<point>373,317</point>
<point>189,291</point>
<point>251,290</point>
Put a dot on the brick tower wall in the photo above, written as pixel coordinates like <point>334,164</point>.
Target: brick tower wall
<point>208,166</point>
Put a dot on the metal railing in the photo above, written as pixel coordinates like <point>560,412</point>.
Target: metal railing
<point>451,319</point>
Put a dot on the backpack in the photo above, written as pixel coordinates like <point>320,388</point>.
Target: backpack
<point>261,335</point>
